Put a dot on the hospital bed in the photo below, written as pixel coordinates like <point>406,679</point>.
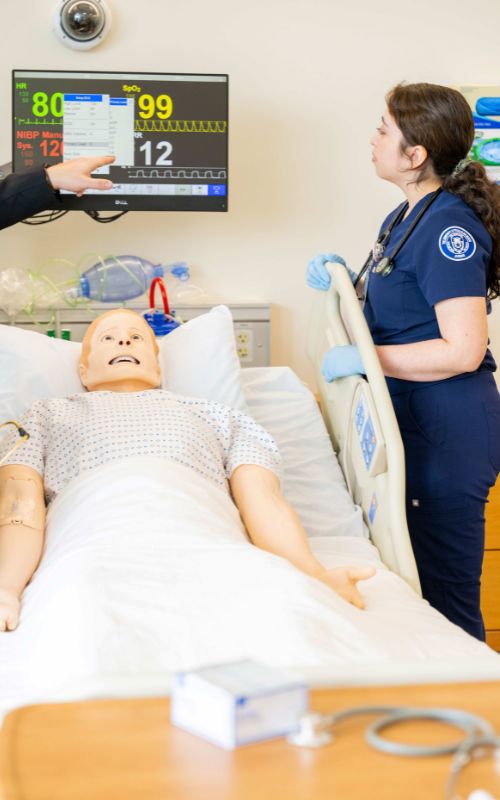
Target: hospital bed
<point>117,605</point>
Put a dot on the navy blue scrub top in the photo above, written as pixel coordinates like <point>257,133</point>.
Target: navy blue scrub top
<point>446,256</point>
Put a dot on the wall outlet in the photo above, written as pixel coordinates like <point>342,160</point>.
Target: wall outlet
<point>244,344</point>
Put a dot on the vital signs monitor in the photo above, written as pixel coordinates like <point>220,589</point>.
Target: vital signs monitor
<point>167,131</point>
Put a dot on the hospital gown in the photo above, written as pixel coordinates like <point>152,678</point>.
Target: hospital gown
<point>72,435</point>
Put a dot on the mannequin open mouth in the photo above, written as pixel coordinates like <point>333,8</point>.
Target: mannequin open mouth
<point>124,360</point>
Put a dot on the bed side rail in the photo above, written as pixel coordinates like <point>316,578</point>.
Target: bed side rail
<point>362,425</point>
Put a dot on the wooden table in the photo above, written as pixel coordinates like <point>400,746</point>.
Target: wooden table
<point>490,580</point>
<point>127,750</point>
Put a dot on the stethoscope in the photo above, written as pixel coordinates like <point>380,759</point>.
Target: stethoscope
<point>384,265</point>
<point>316,731</point>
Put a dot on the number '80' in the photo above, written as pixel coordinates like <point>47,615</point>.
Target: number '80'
<point>43,104</point>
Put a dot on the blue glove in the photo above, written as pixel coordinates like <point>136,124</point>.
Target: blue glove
<point>318,276</point>
<point>341,361</point>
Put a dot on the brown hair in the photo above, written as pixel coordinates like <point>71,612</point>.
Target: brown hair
<point>440,119</point>
<point>93,325</point>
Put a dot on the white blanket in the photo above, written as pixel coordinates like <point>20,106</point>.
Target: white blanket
<point>147,570</point>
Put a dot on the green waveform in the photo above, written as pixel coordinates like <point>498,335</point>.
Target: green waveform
<point>28,121</point>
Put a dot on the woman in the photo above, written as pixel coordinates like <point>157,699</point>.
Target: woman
<point>430,277</point>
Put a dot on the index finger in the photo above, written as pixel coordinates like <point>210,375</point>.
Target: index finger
<point>100,161</point>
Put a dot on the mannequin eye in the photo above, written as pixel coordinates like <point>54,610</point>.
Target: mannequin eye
<point>136,337</point>
<point>107,338</point>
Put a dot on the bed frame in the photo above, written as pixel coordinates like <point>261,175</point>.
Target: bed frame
<point>366,438</point>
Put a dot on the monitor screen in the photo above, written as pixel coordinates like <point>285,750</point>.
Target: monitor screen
<point>167,131</point>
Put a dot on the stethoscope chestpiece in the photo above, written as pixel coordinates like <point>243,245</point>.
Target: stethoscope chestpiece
<point>312,732</point>
<point>384,267</point>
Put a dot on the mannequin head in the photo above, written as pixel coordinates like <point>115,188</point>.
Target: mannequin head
<point>119,354</point>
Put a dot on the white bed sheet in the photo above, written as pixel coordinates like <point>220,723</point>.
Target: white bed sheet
<point>312,479</point>
<point>155,575</point>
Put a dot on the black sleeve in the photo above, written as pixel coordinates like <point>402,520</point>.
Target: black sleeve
<point>24,194</point>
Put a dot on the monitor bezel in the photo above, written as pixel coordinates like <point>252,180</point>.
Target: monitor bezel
<point>131,202</point>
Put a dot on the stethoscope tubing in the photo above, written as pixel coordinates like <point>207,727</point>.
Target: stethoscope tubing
<point>386,236</point>
<point>476,729</point>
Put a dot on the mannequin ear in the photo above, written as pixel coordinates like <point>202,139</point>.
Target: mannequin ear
<point>82,369</point>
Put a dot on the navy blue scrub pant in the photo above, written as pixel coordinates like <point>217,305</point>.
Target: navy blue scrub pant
<point>451,437</point>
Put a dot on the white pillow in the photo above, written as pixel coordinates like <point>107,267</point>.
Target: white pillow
<point>33,365</point>
<point>200,360</point>
<point>312,480</point>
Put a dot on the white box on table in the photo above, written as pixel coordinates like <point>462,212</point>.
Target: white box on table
<point>238,703</point>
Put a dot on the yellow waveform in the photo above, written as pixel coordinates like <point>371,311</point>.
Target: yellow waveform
<point>181,125</point>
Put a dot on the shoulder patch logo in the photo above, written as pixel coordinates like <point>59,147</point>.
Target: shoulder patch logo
<point>457,244</point>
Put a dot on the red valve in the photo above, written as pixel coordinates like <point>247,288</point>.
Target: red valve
<point>163,289</point>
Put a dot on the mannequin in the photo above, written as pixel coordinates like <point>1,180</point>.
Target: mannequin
<point>119,368</point>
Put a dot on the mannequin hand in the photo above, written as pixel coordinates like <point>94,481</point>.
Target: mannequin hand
<point>343,581</point>
<point>341,361</point>
<point>74,175</point>
<point>9,610</point>
<point>317,274</point>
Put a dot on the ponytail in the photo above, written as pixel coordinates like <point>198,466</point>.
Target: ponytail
<point>474,187</point>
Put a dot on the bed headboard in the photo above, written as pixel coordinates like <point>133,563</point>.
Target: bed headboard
<point>360,419</point>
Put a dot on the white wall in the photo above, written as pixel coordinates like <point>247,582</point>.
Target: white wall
<point>307,82</point>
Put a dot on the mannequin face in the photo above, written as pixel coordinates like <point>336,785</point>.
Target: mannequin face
<point>119,354</point>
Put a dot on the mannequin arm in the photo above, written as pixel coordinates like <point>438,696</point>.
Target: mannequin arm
<point>22,524</point>
<point>273,525</point>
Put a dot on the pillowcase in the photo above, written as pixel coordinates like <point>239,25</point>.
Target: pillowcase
<point>197,359</point>
<point>33,366</point>
<point>312,480</point>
